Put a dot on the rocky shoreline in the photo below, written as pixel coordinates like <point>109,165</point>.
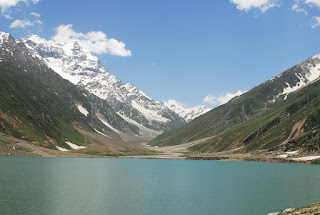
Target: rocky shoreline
<point>312,209</point>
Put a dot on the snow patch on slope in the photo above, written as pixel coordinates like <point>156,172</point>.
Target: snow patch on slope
<point>102,133</point>
<point>75,146</point>
<point>62,149</point>
<point>108,125</point>
<point>82,110</point>
<point>312,74</point>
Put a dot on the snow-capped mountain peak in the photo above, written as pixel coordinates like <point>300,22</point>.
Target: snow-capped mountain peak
<point>3,37</point>
<point>81,67</point>
<point>301,75</point>
<point>186,113</point>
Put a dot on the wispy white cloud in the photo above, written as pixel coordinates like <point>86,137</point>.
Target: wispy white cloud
<point>222,99</point>
<point>315,22</point>
<point>297,8</point>
<point>7,16</point>
<point>35,1</point>
<point>300,7</point>
<point>37,22</point>
<point>210,99</point>
<point>35,14</point>
<point>225,97</point>
<point>313,2</point>
<point>95,41</point>
<point>6,4</point>
<point>24,23</point>
<point>176,103</point>
<point>20,23</point>
<point>262,5</point>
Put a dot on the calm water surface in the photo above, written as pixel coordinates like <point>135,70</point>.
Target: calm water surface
<point>124,186</point>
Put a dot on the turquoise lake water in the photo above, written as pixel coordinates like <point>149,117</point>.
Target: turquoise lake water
<point>137,187</point>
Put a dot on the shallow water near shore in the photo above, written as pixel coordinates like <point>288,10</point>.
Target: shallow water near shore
<point>139,186</point>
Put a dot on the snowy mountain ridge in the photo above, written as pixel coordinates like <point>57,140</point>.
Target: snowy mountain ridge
<point>186,113</point>
<point>39,105</point>
<point>306,73</point>
<point>81,67</point>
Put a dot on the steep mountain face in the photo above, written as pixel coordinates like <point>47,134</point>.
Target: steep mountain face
<point>82,68</point>
<point>39,106</point>
<point>187,114</point>
<point>247,106</point>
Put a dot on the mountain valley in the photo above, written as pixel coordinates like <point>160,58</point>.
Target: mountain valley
<point>60,97</point>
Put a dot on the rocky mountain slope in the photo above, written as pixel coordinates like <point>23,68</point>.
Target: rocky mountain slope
<point>293,125</point>
<point>248,106</point>
<point>39,106</point>
<point>82,68</point>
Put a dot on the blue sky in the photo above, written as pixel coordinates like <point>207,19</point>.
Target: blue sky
<point>183,50</point>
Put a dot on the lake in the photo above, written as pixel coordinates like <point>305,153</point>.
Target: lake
<point>132,186</point>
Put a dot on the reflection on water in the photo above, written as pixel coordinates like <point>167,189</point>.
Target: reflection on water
<point>124,186</point>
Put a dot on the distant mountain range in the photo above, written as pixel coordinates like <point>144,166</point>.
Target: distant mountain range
<point>281,112</point>
<point>186,113</point>
<point>82,68</point>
